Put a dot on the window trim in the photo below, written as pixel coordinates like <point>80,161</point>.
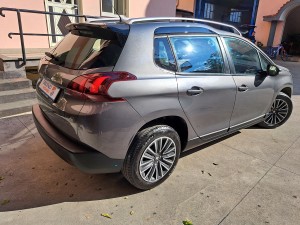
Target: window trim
<point>226,70</point>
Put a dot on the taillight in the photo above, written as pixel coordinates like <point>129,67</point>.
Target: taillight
<point>95,86</point>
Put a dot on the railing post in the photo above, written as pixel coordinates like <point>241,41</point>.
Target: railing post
<point>21,37</point>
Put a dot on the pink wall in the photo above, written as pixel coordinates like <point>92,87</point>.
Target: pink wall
<point>150,8</point>
<point>266,8</point>
<point>186,5</point>
<point>91,7</point>
<point>32,23</point>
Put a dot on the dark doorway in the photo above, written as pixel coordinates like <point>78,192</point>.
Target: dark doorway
<point>291,33</point>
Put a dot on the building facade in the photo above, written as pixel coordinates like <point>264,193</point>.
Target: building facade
<point>278,22</point>
<point>49,24</point>
<point>235,12</point>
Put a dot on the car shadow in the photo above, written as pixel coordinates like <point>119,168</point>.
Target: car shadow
<point>31,176</point>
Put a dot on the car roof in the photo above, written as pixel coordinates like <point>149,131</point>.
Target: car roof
<point>156,22</point>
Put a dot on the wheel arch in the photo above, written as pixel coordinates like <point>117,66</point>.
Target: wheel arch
<point>287,91</point>
<point>176,122</point>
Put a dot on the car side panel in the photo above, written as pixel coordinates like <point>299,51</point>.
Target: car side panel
<point>154,94</point>
<point>108,127</point>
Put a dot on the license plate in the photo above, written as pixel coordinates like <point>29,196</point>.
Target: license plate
<point>49,89</point>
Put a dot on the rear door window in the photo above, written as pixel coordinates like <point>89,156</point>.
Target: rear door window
<point>90,48</point>
<point>196,54</point>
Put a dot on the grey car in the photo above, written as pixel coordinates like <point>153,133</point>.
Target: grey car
<point>130,95</point>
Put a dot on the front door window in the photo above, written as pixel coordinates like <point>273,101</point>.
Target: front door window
<point>244,57</point>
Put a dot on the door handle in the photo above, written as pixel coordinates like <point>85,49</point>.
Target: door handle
<point>243,88</point>
<point>194,91</point>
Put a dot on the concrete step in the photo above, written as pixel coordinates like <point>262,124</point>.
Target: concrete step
<point>13,108</point>
<point>16,65</point>
<point>17,95</point>
<point>12,74</point>
<point>12,84</point>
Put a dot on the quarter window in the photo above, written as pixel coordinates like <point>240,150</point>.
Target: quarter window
<point>198,54</point>
<point>245,57</point>
<point>163,56</point>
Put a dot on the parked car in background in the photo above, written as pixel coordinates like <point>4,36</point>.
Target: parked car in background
<point>131,95</point>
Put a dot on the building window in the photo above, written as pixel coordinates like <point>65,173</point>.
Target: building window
<point>112,7</point>
<point>235,16</point>
<point>209,11</point>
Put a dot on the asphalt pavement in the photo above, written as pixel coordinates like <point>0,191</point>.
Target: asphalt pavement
<point>250,177</point>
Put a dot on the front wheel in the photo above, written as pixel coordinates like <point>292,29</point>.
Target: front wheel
<point>280,112</point>
<point>152,157</point>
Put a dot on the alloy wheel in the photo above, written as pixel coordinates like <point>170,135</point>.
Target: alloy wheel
<point>157,159</point>
<point>278,113</point>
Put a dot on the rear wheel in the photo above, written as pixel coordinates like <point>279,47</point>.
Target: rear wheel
<point>280,112</point>
<point>152,157</point>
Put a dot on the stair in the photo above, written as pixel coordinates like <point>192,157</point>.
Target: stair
<point>17,107</point>
<point>16,93</point>
<point>16,79</point>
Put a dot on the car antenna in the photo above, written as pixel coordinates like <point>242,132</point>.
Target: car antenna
<point>116,12</point>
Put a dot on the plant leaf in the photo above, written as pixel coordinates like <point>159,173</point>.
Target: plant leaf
<point>187,222</point>
<point>106,215</point>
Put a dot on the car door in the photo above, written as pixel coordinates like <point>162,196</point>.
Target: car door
<point>255,90</point>
<point>206,88</point>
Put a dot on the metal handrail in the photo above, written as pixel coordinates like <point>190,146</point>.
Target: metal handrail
<point>182,19</point>
<point>112,19</point>
<point>21,33</point>
<point>43,12</point>
<point>33,34</point>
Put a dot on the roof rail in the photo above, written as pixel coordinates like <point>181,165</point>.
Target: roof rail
<point>109,19</point>
<point>182,19</point>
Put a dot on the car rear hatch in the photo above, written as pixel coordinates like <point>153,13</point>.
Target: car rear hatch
<point>87,55</point>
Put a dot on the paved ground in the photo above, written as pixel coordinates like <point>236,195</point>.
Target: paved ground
<point>252,177</point>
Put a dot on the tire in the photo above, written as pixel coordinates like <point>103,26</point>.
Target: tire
<point>280,112</point>
<point>159,167</point>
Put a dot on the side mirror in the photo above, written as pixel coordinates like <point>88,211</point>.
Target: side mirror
<point>272,70</point>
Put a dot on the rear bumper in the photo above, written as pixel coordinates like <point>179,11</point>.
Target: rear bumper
<point>75,153</point>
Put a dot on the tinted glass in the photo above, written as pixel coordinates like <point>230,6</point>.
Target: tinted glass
<point>163,56</point>
<point>89,48</point>
<point>198,54</point>
<point>245,57</point>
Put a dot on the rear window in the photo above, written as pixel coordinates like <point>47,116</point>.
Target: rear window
<point>90,47</point>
